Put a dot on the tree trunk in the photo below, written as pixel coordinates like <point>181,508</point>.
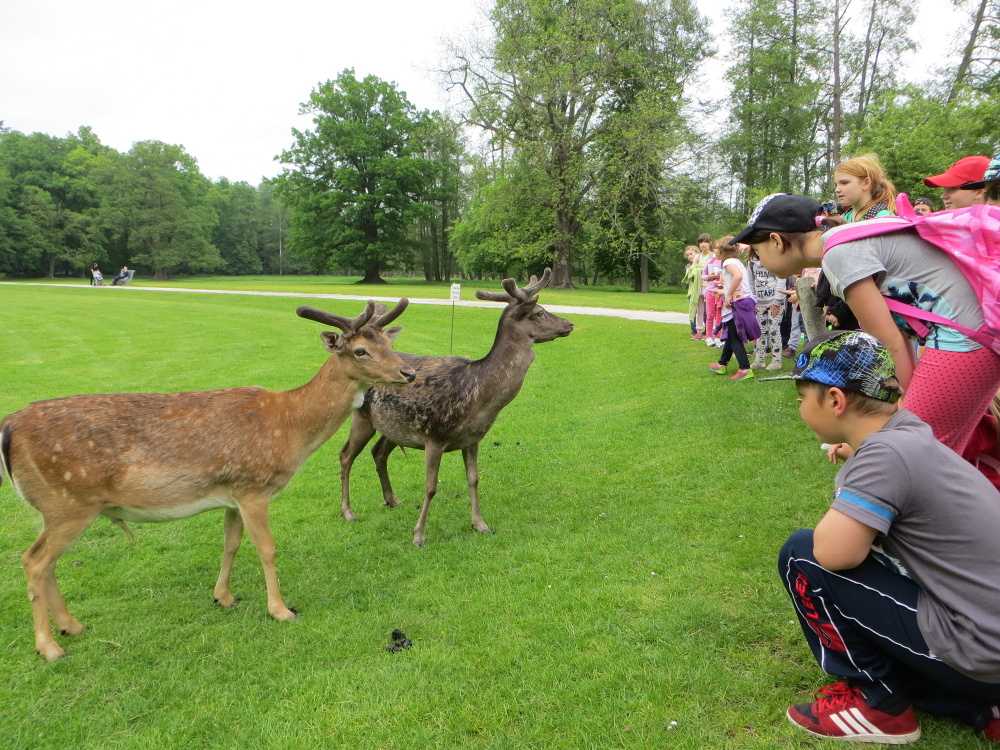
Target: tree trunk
<point>835,136</point>
<point>562,270</point>
<point>970,48</point>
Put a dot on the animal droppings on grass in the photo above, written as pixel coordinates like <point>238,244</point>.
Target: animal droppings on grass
<point>399,641</point>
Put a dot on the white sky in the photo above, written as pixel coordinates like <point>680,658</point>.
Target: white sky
<point>224,78</point>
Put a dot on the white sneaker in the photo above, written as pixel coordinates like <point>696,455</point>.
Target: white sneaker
<point>757,364</point>
<point>775,364</point>
<point>709,342</point>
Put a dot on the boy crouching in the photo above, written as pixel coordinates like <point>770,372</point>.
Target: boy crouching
<point>897,589</point>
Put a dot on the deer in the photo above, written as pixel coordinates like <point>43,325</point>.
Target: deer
<point>165,456</point>
<point>453,402</point>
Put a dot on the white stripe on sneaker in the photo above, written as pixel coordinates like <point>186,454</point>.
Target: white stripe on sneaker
<point>864,722</point>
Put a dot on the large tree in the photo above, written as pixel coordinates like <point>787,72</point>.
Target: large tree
<point>156,201</point>
<point>544,83</point>
<point>355,183</point>
<point>47,204</point>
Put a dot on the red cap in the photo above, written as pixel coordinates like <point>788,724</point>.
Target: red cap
<point>962,172</point>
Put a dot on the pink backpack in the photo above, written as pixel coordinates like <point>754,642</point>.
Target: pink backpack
<point>970,237</point>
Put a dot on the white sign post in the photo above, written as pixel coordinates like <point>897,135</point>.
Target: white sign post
<point>456,295</point>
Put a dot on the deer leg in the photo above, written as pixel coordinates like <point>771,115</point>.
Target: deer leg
<point>43,590</point>
<point>254,512</point>
<point>233,534</point>
<point>380,453</point>
<point>432,463</point>
<point>361,433</point>
<point>471,457</point>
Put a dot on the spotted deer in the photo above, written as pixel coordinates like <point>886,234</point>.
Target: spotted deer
<point>453,401</point>
<point>164,456</point>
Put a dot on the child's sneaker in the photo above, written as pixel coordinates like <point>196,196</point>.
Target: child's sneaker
<point>992,729</point>
<point>697,337</point>
<point>757,364</point>
<point>718,369</point>
<point>775,363</point>
<point>709,341</point>
<point>788,353</point>
<point>841,713</point>
<point>746,374</point>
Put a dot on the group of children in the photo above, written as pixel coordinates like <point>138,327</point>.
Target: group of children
<point>897,588</point>
<point>731,303</point>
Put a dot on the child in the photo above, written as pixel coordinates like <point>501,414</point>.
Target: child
<point>896,589</point>
<point>770,305</point>
<point>956,378</point>
<point>711,273</point>
<point>738,311</point>
<point>692,277</point>
<point>862,184</point>
<point>704,256</point>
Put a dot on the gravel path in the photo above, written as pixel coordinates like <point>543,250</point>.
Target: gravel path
<point>651,315</point>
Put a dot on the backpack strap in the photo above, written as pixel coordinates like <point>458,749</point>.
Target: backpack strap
<point>917,318</point>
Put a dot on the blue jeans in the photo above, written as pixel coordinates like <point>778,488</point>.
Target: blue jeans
<point>861,625</point>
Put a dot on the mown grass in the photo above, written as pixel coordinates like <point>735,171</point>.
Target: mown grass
<point>661,298</point>
<point>637,500</point>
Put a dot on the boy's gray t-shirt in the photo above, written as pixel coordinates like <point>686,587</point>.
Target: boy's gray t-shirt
<point>940,519</point>
<point>909,269</point>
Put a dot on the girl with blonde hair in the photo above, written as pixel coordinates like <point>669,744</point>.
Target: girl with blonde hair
<point>862,184</point>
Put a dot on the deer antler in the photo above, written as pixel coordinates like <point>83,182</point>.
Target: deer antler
<point>346,325</point>
<point>512,293</point>
<point>382,318</point>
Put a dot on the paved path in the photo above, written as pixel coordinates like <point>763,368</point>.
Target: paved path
<point>651,315</point>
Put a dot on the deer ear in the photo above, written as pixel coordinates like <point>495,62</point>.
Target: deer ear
<point>524,309</point>
<point>334,342</point>
<point>391,333</point>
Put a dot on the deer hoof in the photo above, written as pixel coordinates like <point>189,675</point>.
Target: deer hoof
<point>72,628</point>
<point>289,615</point>
<point>51,652</point>
<point>226,602</point>
<point>482,528</point>
<point>350,517</point>
<point>392,502</point>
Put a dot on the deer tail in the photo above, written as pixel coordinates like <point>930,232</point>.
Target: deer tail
<point>5,434</point>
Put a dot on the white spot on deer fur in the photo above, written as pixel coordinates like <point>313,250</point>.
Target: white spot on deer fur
<point>359,400</point>
<point>277,433</point>
<point>68,475</point>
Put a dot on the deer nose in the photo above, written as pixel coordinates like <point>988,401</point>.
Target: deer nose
<point>408,375</point>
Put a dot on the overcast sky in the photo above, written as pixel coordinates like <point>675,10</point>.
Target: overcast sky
<point>224,78</point>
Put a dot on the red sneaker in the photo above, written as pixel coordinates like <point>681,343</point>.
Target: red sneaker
<point>841,713</point>
<point>992,728</point>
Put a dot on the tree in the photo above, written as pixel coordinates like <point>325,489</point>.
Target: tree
<point>237,235</point>
<point>357,181</point>
<point>444,147</point>
<point>48,204</point>
<point>779,69</point>
<point>505,231</point>
<point>155,199</point>
<point>979,68</point>
<point>543,84</point>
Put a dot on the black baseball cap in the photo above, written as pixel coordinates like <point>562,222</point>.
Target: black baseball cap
<point>782,212</point>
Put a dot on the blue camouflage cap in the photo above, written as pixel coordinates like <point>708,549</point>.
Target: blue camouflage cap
<point>850,360</point>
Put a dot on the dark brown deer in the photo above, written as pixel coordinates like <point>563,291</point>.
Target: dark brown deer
<point>164,456</point>
<point>453,402</point>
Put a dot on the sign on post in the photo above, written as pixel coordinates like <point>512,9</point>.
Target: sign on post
<point>456,295</point>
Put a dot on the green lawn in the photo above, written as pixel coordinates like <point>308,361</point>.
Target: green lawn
<point>664,299</point>
<point>638,502</point>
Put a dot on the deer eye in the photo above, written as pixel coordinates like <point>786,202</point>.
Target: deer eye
<point>359,352</point>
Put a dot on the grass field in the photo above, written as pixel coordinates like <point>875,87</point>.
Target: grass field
<point>614,297</point>
<point>638,502</point>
